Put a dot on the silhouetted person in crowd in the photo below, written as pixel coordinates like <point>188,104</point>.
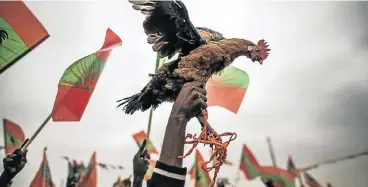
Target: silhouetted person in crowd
<point>13,164</point>
<point>169,171</point>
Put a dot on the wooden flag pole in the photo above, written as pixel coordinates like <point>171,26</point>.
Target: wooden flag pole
<point>24,148</point>
<point>272,152</point>
<point>151,110</point>
<point>149,125</point>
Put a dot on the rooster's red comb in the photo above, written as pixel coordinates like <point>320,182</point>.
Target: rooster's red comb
<point>264,50</point>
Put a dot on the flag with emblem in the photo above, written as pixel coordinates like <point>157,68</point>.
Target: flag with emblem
<point>20,32</point>
<point>43,175</point>
<point>139,138</point>
<point>13,136</point>
<point>79,81</point>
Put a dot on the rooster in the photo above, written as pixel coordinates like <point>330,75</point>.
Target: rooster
<point>202,53</point>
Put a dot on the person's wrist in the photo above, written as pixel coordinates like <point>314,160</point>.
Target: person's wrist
<point>179,115</point>
<point>139,177</point>
<point>6,176</point>
<point>137,181</point>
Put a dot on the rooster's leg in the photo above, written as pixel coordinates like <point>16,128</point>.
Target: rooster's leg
<point>202,120</point>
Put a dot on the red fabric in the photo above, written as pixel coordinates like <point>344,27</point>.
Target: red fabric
<point>226,97</point>
<point>39,180</point>
<point>23,22</point>
<point>16,131</point>
<point>71,102</point>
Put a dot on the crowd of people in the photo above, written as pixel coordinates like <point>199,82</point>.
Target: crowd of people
<point>169,170</point>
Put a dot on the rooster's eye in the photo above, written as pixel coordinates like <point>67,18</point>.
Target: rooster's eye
<point>250,48</point>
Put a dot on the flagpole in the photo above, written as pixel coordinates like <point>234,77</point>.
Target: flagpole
<point>151,110</point>
<point>37,132</point>
<point>272,152</point>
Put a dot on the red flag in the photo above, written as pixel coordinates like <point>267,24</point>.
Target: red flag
<point>291,167</point>
<point>23,30</point>
<point>139,138</point>
<point>89,177</point>
<point>227,89</point>
<point>43,175</point>
<point>311,182</point>
<point>13,136</point>
<point>79,80</point>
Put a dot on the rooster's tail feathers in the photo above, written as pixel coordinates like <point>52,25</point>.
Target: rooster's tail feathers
<point>131,104</point>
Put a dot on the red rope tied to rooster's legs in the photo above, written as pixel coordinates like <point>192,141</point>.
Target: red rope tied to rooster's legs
<point>210,136</point>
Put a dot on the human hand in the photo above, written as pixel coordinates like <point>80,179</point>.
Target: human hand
<point>127,182</point>
<point>15,162</point>
<point>190,101</point>
<point>140,163</point>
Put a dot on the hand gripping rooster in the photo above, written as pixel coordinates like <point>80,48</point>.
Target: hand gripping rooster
<point>202,53</point>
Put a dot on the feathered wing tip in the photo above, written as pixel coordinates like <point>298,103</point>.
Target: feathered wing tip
<point>264,50</point>
<point>130,104</point>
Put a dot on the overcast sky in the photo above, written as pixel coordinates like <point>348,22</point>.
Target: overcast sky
<point>310,95</point>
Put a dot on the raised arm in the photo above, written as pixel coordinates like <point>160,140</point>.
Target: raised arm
<point>140,165</point>
<point>13,164</point>
<point>169,172</point>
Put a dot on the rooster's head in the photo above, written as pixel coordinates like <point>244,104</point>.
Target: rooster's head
<point>258,52</point>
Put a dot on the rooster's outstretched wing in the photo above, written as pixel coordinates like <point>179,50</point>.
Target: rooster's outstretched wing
<point>168,27</point>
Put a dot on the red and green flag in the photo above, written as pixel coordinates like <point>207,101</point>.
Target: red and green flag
<point>252,169</point>
<point>191,172</point>
<point>249,164</point>
<point>202,178</point>
<point>291,167</point>
<point>79,80</point>
<point>151,166</point>
<point>43,175</point>
<point>21,32</point>
<point>310,181</point>
<point>89,176</point>
<point>13,136</point>
<point>227,89</point>
<point>140,137</point>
